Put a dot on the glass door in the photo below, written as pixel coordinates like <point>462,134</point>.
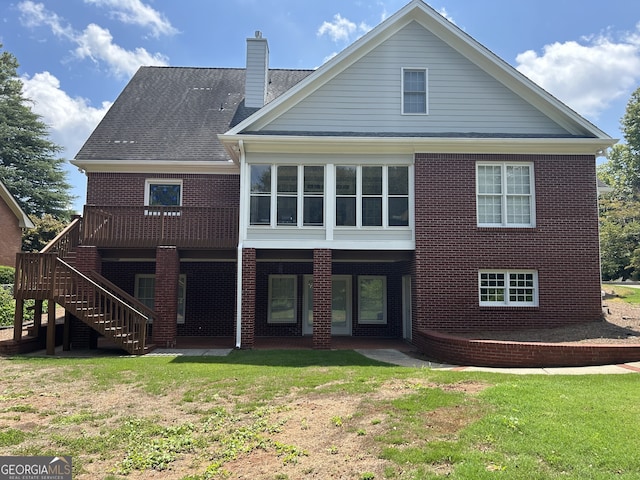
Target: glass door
<point>340,305</point>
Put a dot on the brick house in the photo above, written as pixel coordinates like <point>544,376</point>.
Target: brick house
<point>413,182</point>
<point>13,221</point>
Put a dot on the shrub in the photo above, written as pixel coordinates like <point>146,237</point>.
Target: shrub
<point>7,274</point>
<point>8,307</point>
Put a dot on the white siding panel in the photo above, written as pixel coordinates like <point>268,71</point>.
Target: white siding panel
<point>366,97</point>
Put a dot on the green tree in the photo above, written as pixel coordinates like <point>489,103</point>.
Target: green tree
<point>29,167</point>
<point>46,229</point>
<point>620,209</point>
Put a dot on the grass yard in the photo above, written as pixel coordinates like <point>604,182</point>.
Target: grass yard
<point>317,415</point>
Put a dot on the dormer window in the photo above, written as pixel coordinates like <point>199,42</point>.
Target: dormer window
<point>414,91</point>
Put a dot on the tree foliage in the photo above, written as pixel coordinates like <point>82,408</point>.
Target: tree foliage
<point>620,209</point>
<point>46,229</point>
<point>29,167</point>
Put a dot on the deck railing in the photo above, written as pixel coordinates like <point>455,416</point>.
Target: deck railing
<point>152,226</point>
<point>66,241</point>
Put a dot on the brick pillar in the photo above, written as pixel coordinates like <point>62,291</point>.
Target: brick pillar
<point>166,296</point>
<point>420,262</point>
<point>83,337</point>
<point>88,259</point>
<point>322,298</point>
<point>248,307</point>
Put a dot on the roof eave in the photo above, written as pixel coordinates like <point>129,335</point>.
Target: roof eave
<point>339,144</point>
<point>156,166</point>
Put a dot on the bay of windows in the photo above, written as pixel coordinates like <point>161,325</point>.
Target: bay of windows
<point>294,195</point>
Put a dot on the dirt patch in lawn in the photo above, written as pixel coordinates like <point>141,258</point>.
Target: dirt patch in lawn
<point>317,435</point>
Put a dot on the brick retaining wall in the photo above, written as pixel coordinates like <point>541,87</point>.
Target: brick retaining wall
<point>492,353</point>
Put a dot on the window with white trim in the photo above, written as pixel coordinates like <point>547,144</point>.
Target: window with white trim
<point>283,299</point>
<point>372,196</point>
<point>144,291</point>
<point>516,288</point>
<point>163,193</point>
<point>372,299</point>
<point>285,191</point>
<point>505,195</point>
<point>414,91</point>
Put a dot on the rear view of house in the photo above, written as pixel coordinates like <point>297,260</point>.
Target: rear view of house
<point>414,182</point>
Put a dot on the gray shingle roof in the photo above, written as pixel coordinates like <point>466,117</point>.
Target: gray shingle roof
<point>175,113</point>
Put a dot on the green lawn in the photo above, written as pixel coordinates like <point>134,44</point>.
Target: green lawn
<point>312,414</point>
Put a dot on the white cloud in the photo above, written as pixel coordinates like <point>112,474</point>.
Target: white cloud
<point>95,42</point>
<point>587,76</point>
<point>71,120</point>
<point>341,29</point>
<point>134,12</point>
<point>443,12</point>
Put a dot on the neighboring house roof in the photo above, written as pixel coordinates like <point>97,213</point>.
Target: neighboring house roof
<point>23,219</point>
<point>174,113</point>
<point>603,187</point>
<point>576,127</point>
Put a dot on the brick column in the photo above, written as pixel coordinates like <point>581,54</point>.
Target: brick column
<point>166,296</point>
<point>248,307</point>
<point>88,259</point>
<point>322,298</point>
<point>421,261</point>
<point>83,337</point>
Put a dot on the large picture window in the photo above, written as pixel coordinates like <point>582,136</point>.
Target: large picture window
<point>372,196</point>
<point>372,299</point>
<point>505,195</point>
<point>282,299</point>
<point>508,288</point>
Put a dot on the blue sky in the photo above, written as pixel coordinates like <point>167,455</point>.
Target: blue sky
<point>76,56</point>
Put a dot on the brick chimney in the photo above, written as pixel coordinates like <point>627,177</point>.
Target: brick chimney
<point>257,76</point>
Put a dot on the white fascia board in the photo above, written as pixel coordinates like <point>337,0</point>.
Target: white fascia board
<point>411,145</point>
<point>359,244</point>
<point>160,166</point>
<point>23,219</point>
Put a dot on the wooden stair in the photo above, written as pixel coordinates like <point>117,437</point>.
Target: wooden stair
<point>92,299</point>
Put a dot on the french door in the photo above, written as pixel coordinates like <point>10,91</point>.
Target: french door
<point>340,305</point>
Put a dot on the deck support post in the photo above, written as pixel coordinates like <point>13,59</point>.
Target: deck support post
<point>165,326</point>
<point>66,334</point>
<point>51,327</point>
<point>18,319</point>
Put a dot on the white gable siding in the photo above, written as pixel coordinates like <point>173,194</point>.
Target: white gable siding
<point>462,98</point>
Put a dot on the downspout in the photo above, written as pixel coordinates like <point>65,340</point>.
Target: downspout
<point>241,222</point>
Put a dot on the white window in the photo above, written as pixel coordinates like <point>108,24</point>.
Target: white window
<point>163,193</point>
<point>518,288</point>
<point>372,299</point>
<point>287,190</point>
<point>414,91</point>
<point>145,292</point>
<point>372,196</point>
<point>505,195</point>
<point>283,299</point>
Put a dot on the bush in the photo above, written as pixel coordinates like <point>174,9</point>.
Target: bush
<point>8,308</point>
<point>7,274</point>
